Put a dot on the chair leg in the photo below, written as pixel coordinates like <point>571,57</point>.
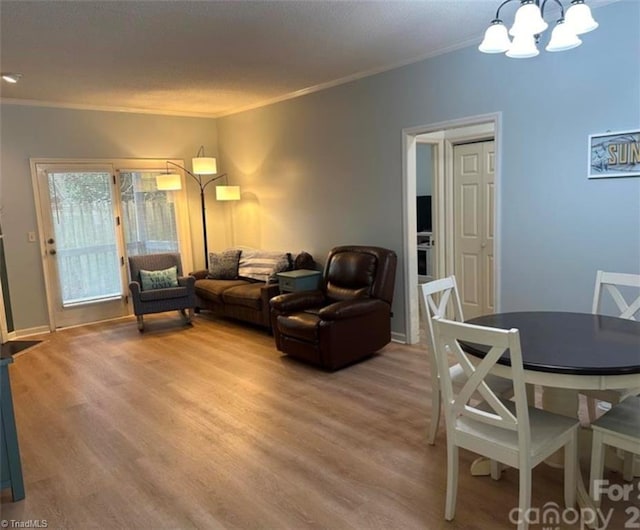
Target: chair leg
<point>140,323</point>
<point>591,409</point>
<point>187,315</point>
<point>435,413</point>
<point>452,481</point>
<point>496,470</point>
<point>524,498</point>
<point>570,471</point>
<point>597,464</point>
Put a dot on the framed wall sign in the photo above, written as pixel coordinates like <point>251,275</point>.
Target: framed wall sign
<point>614,154</point>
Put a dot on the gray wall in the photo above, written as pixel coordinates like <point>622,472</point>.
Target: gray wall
<point>325,169</point>
<point>33,132</point>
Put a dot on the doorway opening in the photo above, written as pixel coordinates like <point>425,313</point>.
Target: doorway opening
<point>451,197</point>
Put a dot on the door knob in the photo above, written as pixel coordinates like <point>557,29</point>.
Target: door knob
<point>52,251</point>
<point>51,241</point>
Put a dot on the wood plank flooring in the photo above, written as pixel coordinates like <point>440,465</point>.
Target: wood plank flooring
<point>210,427</point>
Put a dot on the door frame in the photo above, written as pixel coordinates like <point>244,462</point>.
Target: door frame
<point>445,135</point>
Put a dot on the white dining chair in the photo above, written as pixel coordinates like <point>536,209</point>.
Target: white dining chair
<point>508,432</point>
<point>449,301</point>
<point>619,428</point>
<point>611,283</point>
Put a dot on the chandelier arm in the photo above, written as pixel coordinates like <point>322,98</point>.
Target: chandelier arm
<point>500,7</point>
<point>197,179</point>
<point>557,2</point>
<point>200,150</point>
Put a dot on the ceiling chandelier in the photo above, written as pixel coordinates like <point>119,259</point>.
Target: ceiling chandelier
<point>529,24</point>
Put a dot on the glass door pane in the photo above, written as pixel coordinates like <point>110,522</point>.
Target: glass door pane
<point>84,236</point>
<point>149,214</point>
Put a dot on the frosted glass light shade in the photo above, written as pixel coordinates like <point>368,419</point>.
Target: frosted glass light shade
<point>579,18</point>
<point>496,39</point>
<point>563,38</point>
<point>523,47</point>
<point>528,21</point>
<point>227,193</point>
<point>169,181</point>
<point>204,165</point>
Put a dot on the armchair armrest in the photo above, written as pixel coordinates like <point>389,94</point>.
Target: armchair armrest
<point>135,288</point>
<point>352,308</point>
<point>292,302</point>
<point>187,281</point>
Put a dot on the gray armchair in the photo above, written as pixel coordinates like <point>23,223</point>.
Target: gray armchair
<point>180,298</point>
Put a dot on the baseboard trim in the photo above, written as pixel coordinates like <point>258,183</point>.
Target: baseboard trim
<point>31,331</point>
<point>400,338</point>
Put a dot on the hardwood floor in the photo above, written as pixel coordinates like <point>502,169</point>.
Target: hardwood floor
<point>210,427</point>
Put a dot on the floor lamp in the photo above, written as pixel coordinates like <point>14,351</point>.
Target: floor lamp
<point>202,166</point>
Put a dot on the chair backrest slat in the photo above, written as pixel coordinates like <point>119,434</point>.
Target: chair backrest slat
<point>450,338</point>
<point>611,282</point>
<point>447,289</point>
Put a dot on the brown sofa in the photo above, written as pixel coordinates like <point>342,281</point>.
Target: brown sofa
<point>242,298</point>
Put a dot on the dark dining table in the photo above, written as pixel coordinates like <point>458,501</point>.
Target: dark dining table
<point>578,351</point>
<point>565,352</point>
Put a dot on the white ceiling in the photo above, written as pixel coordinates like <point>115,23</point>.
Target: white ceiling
<point>212,58</point>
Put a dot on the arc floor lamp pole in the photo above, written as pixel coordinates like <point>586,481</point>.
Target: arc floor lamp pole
<point>203,186</point>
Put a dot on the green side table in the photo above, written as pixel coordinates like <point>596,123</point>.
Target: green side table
<point>10,466</point>
<point>299,280</point>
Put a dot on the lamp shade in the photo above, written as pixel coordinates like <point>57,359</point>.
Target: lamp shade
<point>579,18</point>
<point>523,47</point>
<point>204,165</point>
<point>496,39</point>
<point>227,193</point>
<point>168,181</point>
<point>563,38</point>
<point>528,20</point>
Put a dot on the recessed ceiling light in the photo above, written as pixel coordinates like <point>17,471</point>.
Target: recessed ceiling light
<point>11,78</point>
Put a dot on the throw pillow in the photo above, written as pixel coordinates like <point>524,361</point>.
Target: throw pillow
<point>160,279</point>
<point>224,265</point>
<point>304,260</point>
<point>263,265</point>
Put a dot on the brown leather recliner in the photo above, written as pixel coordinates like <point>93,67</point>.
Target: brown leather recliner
<point>348,318</point>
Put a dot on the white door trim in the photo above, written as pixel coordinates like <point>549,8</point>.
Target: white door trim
<point>412,320</point>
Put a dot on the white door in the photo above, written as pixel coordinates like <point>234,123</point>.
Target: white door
<point>473,192</point>
<point>83,254</point>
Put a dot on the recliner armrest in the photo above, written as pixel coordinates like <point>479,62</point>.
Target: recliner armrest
<point>351,308</point>
<point>292,302</point>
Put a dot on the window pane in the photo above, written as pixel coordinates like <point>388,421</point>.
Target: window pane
<point>149,214</point>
